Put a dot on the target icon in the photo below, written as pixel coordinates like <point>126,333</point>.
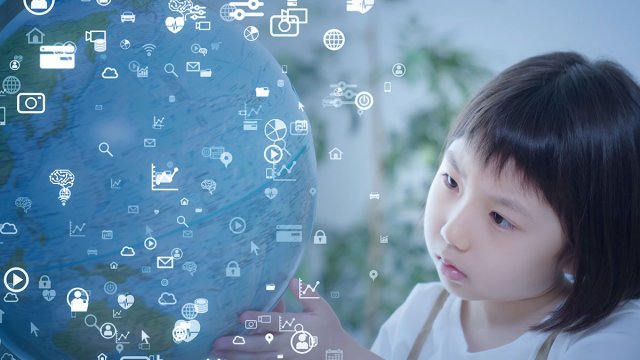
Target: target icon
<point>364,100</point>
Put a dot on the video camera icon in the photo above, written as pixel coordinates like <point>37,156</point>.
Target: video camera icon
<point>287,24</point>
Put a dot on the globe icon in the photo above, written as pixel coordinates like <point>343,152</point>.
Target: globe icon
<point>334,39</point>
<point>226,12</point>
<point>102,194</point>
<point>11,85</point>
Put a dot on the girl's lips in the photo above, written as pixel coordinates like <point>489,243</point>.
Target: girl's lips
<point>450,271</point>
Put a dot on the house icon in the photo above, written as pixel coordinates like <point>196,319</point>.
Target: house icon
<point>184,201</point>
<point>102,357</point>
<point>35,36</point>
<point>113,265</point>
<point>335,154</point>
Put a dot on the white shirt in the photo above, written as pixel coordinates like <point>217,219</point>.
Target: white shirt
<point>616,337</point>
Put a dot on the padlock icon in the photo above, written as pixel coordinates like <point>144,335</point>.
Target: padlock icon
<point>320,238</point>
<point>233,269</point>
<point>45,282</point>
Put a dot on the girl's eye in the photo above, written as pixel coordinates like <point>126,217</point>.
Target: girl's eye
<point>449,182</point>
<point>500,221</point>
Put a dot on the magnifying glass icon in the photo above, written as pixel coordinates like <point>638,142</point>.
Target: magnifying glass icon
<point>104,148</point>
<point>181,221</point>
<point>170,69</point>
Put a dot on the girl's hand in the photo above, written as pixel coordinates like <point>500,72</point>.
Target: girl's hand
<point>318,328</point>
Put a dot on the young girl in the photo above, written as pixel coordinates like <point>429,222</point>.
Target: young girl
<point>533,222</point>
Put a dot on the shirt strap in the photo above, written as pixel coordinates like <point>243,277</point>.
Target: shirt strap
<point>426,328</point>
<point>543,352</point>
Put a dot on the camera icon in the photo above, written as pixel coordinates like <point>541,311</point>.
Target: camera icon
<point>284,25</point>
<point>251,324</point>
<point>31,103</point>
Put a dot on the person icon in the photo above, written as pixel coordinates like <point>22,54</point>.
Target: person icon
<point>80,301</point>
<point>302,342</point>
<point>107,332</point>
<point>39,4</point>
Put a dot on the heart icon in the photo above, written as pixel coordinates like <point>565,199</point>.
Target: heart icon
<point>271,192</point>
<point>156,211</point>
<point>125,301</point>
<point>48,294</point>
<point>191,328</point>
<point>174,24</point>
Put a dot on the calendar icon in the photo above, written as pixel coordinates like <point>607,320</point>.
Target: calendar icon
<point>333,354</point>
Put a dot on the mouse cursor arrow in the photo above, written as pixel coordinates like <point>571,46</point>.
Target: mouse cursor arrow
<point>300,106</point>
<point>34,330</point>
<point>254,248</point>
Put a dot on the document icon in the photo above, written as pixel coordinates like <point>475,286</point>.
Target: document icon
<point>164,262</point>
<point>288,233</point>
<point>57,57</point>
<point>193,66</point>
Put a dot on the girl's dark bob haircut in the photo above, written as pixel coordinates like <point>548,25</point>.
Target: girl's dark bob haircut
<point>571,127</point>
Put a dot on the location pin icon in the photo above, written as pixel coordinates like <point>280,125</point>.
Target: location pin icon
<point>373,274</point>
<point>269,337</point>
<point>226,158</point>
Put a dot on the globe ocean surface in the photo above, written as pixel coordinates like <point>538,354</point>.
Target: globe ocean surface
<point>143,191</point>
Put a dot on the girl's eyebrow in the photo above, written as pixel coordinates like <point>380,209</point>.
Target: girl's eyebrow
<point>454,163</point>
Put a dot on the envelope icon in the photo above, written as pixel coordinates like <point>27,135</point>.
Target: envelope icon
<point>193,66</point>
<point>149,143</point>
<point>164,262</point>
<point>133,209</point>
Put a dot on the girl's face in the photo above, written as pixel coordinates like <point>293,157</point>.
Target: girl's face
<point>489,238</point>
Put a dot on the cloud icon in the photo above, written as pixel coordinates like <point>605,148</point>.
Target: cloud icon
<point>7,356</point>
<point>8,229</point>
<point>10,298</point>
<point>127,251</point>
<point>167,299</point>
<point>109,73</point>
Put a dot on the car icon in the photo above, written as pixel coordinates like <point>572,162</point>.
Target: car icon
<point>128,16</point>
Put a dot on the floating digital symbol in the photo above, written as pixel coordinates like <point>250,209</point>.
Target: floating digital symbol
<point>225,12</point>
<point>39,7</point>
<point>110,287</point>
<point>186,331</point>
<point>31,103</point>
<point>262,92</point>
<point>144,341</point>
<point>302,341</point>
<point>238,340</point>
<point>239,14</point>
<point>158,122</point>
<point>209,185</point>
<point>58,56</point>
<point>23,203</point>
<point>98,38</point>
<point>165,262</point>
<point>250,122</point>
<point>299,128</point>
<point>167,298</point>
<point>364,101</point>
<point>306,291</point>
<point>334,39</point>
<point>233,269</point>
<point>162,177</point>
<point>226,158</point>
<point>398,70</point>
<point>11,85</point>
<point>190,267</point>
<point>361,6</point>
<point>273,154</point>
<point>268,337</point>
<point>125,44</point>
<point>182,221</point>
<point>108,331</point>
<point>16,279</point>
<point>127,251</point>
<point>65,179</point>
<point>16,62</point>
<point>103,2</point>
<point>203,25</point>
<point>35,37</point>
<point>128,16</point>
<point>150,243</point>
<point>126,301</point>
<point>287,24</point>
<point>78,300</point>
<point>8,229</point>
<point>177,253</point>
<point>110,73</point>
<point>237,225</point>
<point>335,154</point>
<point>288,233</point>
<point>271,193</point>
<point>104,148</point>
<point>77,230</point>
<point>251,33</point>
<point>169,68</point>
<point>186,9</point>
<point>192,66</point>
<point>3,115</point>
<point>373,274</point>
<point>149,48</point>
<point>197,49</point>
<point>174,24</point>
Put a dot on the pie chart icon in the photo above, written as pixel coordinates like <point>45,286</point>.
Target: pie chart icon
<point>251,33</point>
<point>275,130</point>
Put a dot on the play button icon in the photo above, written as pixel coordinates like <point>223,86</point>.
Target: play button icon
<point>237,225</point>
<point>273,154</point>
<point>16,279</point>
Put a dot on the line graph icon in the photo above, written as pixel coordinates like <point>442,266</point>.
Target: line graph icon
<point>304,289</point>
<point>77,230</point>
<point>286,326</point>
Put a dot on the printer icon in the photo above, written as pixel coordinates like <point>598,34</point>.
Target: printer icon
<point>57,56</point>
<point>288,233</point>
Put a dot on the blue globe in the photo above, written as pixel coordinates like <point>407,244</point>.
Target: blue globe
<point>149,194</point>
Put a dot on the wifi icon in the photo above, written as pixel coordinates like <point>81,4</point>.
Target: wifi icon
<point>149,48</point>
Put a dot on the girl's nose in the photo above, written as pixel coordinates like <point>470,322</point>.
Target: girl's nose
<point>458,228</point>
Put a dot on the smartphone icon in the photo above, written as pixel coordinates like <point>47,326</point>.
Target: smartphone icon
<point>387,87</point>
